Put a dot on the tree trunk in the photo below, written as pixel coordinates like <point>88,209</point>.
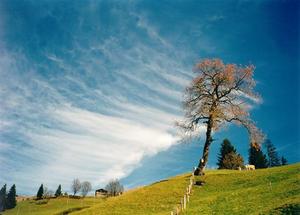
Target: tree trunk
<point>208,141</point>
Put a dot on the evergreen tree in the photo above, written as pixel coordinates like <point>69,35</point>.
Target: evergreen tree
<point>283,161</point>
<point>40,192</point>
<point>233,161</point>
<point>11,201</point>
<point>3,198</point>
<point>273,159</point>
<point>257,158</point>
<point>58,191</point>
<point>226,148</point>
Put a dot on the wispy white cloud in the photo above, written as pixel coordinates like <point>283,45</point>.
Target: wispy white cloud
<point>95,118</point>
<point>91,146</point>
<point>151,31</point>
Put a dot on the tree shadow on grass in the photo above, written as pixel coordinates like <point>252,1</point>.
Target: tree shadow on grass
<point>71,210</point>
<point>287,209</point>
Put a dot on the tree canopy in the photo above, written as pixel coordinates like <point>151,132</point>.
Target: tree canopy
<point>219,94</point>
<point>226,148</point>
<point>11,201</point>
<point>283,161</point>
<point>114,187</point>
<point>233,160</point>
<point>86,187</point>
<point>40,192</point>
<point>273,158</point>
<point>76,186</point>
<point>257,158</point>
<point>58,191</point>
<point>3,198</point>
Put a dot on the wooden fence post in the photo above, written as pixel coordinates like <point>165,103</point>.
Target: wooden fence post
<point>186,197</point>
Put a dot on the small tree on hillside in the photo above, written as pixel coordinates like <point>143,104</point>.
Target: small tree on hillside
<point>114,187</point>
<point>11,198</point>
<point>219,94</point>
<point>86,187</point>
<point>40,192</point>
<point>283,161</point>
<point>226,148</point>
<point>273,159</point>
<point>76,185</point>
<point>233,161</point>
<point>47,193</point>
<point>3,198</point>
<point>257,158</point>
<point>58,191</point>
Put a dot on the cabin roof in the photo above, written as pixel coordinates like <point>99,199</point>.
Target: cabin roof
<point>101,190</point>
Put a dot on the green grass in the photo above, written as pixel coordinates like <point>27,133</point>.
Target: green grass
<point>158,198</point>
<point>267,191</point>
<point>59,206</point>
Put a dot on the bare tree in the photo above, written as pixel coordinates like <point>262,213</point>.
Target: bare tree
<point>114,187</point>
<point>86,187</point>
<point>47,193</point>
<point>76,185</point>
<point>220,93</point>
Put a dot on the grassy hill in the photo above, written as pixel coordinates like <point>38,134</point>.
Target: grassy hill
<point>266,191</point>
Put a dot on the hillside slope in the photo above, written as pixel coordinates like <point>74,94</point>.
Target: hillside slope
<point>266,191</point>
<point>225,192</point>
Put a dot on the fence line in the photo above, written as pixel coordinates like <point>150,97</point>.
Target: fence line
<point>186,197</point>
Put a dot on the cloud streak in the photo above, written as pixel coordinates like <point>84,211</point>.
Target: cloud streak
<point>93,110</point>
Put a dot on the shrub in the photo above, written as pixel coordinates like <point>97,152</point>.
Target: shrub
<point>42,202</point>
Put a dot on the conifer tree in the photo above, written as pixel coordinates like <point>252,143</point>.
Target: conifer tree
<point>233,161</point>
<point>273,159</point>
<point>3,198</point>
<point>11,201</point>
<point>40,192</point>
<point>58,191</point>
<point>257,157</point>
<point>283,161</point>
<point>226,148</point>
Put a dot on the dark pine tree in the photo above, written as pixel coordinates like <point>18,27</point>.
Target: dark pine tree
<point>11,201</point>
<point>3,198</point>
<point>58,191</point>
<point>273,159</point>
<point>226,148</point>
<point>257,158</point>
<point>40,192</point>
<point>283,161</point>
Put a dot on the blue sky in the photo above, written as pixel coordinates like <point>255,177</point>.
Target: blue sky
<point>91,89</point>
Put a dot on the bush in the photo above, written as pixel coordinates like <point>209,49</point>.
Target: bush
<point>42,202</point>
<point>74,197</point>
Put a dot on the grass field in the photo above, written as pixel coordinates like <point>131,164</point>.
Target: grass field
<point>266,191</point>
<point>248,192</point>
<point>57,206</point>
